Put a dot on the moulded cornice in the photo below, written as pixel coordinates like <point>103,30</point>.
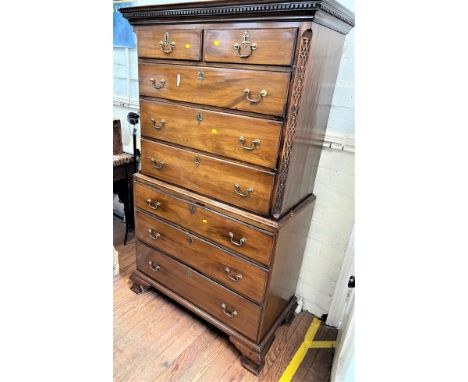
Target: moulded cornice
<point>238,9</point>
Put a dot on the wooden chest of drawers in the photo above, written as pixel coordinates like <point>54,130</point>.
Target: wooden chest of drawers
<point>234,100</point>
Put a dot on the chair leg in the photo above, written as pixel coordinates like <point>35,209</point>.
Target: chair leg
<point>126,208</point>
<point>126,231</point>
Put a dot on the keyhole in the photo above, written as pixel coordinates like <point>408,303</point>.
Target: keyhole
<point>199,118</point>
<point>192,210</point>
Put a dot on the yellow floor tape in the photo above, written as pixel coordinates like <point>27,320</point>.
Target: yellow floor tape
<point>308,343</point>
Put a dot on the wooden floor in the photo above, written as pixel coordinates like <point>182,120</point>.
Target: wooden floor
<point>156,339</point>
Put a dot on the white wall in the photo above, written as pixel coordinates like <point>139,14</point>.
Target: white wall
<point>329,232</point>
<point>341,118</point>
<point>334,212</point>
<point>333,217</point>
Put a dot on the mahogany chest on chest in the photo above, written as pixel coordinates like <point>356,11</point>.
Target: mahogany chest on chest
<point>234,101</point>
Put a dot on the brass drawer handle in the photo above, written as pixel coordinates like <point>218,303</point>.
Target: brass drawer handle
<point>166,45</point>
<point>162,123</point>
<point>255,142</point>
<point>162,82</point>
<point>153,234</point>
<point>228,274</point>
<point>239,192</point>
<point>152,204</point>
<point>153,267</point>
<point>158,165</point>
<point>226,312</point>
<point>245,44</point>
<point>263,93</point>
<point>239,243</point>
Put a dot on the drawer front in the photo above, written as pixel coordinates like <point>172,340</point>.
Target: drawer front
<point>171,44</point>
<point>248,139</point>
<point>212,225</point>
<point>230,182</point>
<point>225,305</point>
<point>252,46</point>
<point>256,91</point>
<point>234,273</point>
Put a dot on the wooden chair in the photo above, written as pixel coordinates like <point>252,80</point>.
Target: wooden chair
<point>124,168</point>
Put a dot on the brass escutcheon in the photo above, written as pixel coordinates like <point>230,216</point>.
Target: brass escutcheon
<point>199,118</point>
<point>192,209</point>
<point>201,76</point>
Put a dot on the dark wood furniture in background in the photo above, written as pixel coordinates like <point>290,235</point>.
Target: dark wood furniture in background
<point>235,97</point>
<point>124,168</point>
<point>117,134</point>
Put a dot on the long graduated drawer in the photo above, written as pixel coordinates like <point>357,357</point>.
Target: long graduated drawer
<point>231,271</point>
<point>262,92</point>
<point>235,235</point>
<point>248,139</point>
<point>231,182</point>
<point>220,302</point>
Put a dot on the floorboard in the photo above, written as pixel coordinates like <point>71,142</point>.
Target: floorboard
<point>317,363</point>
<point>157,340</point>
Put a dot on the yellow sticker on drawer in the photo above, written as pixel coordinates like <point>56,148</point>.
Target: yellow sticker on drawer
<point>187,46</point>
<point>214,131</point>
<point>215,42</point>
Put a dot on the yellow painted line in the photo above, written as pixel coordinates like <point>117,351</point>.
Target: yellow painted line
<point>288,374</point>
<point>314,326</point>
<point>321,345</point>
<point>307,344</point>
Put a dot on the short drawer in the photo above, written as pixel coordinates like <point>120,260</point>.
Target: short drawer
<point>262,92</point>
<point>250,46</point>
<point>155,42</point>
<point>256,244</point>
<point>253,140</point>
<point>243,186</point>
<point>234,273</point>
<point>216,300</point>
